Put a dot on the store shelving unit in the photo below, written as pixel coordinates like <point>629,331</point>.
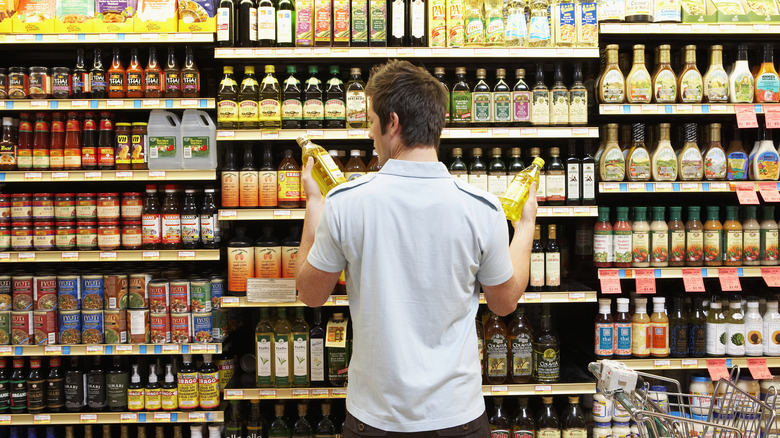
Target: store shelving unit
<point>744,271</point>
<point>693,364</point>
<point>691,29</point>
<point>682,187</point>
<point>126,255</point>
<point>105,104</point>
<point>645,109</point>
<point>113,38</point>
<point>405,52</point>
<point>108,349</point>
<point>108,175</point>
<point>362,134</point>
<point>113,418</point>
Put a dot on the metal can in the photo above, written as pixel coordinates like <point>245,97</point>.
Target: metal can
<point>181,328</point>
<point>139,296</point>
<point>91,326</point>
<point>22,292</point>
<point>160,328</point>
<point>200,293</point>
<point>21,327</point>
<point>92,291</point>
<point>45,327</point>
<point>5,327</point>
<point>138,325</point>
<point>86,207</point>
<point>45,292</point>
<point>159,296</point>
<point>180,296</point>
<point>65,207</point>
<point>70,326</point>
<point>6,293</point>
<point>219,324</point>
<point>115,322</point>
<point>69,292</point>
<point>115,291</point>
<point>217,292</point>
<point>202,327</point>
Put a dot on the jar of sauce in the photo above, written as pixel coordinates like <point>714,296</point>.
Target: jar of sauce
<point>138,146</point>
<point>132,234</point>
<point>132,206</point>
<point>21,207</point>
<point>60,77</point>
<point>22,236</point>
<point>3,83</point>
<point>43,236</point>
<point>86,207</point>
<point>65,237</point>
<point>5,237</point>
<point>64,207</point>
<point>39,83</point>
<point>109,236</point>
<point>5,208</point>
<point>43,207</point>
<point>86,236</point>
<point>106,158</point>
<point>17,83</point>
<point>108,207</point>
<point>713,232</point>
<point>122,134</point>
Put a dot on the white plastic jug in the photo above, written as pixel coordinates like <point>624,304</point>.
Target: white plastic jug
<point>199,137</point>
<point>165,145</point>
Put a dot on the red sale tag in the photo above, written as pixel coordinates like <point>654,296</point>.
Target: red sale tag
<point>772,116</point>
<point>758,368</point>
<point>645,281</point>
<point>717,369</point>
<point>769,191</point>
<point>692,280</point>
<point>610,281</point>
<point>771,276</point>
<point>746,116</point>
<point>746,193</point>
<point>729,280</point>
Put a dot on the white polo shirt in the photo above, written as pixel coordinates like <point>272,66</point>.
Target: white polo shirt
<point>415,243</point>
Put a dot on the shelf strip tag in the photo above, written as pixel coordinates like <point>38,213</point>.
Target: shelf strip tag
<point>769,191</point>
<point>610,282</point>
<point>771,276</point>
<point>645,281</point>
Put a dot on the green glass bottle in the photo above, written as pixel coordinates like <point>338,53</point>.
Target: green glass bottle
<point>300,334</point>
<point>282,351</point>
<point>279,427</point>
<point>461,100</point>
<point>264,336</point>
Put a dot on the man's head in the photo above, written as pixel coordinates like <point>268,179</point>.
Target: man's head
<point>407,106</point>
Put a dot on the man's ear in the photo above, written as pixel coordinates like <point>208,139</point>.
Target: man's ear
<point>394,123</point>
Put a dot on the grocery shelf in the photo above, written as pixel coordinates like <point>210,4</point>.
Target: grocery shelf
<point>693,364</point>
<point>76,38</point>
<point>105,104</point>
<point>108,349</point>
<point>362,134</point>
<point>113,418</point>
<point>689,28</point>
<point>745,271</point>
<point>325,393</point>
<point>583,211</point>
<point>645,109</point>
<point>665,187</point>
<point>109,175</point>
<point>406,52</point>
<point>110,256</point>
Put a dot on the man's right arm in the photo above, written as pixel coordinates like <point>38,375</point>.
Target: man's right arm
<point>502,298</point>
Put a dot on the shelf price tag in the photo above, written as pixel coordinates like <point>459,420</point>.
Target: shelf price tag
<point>771,276</point>
<point>170,349</point>
<point>196,417</point>
<point>689,363</point>
<point>542,389</point>
<point>115,104</point>
<point>95,349</point>
<point>266,393</point>
<point>150,255</point>
<point>342,302</point>
<point>746,116</point>
<point>282,214</point>
<point>60,176</point>
<point>610,281</point>
<point>123,175</point>
<point>26,256</point>
<point>88,418</point>
<point>162,417</point>
<point>662,364</point>
<point>156,174</point>
<point>5,419</point>
<point>320,393</point>
<point>42,419</point>
<point>576,296</point>
<point>645,281</point>
<point>128,418</point>
<point>186,255</point>
<point>123,349</point>
<point>717,369</point>
<point>52,350</point>
<point>769,191</point>
<point>729,280</point>
<point>69,256</point>
<point>719,187</point>
<point>499,390</point>
<point>107,256</point>
<point>300,393</point>
<point>693,280</point>
<point>231,301</point>
<point>224,214</point>
<point>33,176</point>
<point>533,297</point>
<point>772,116</point>
<point>746,193</point>
<point>6,351</point>
<point>338,393</point>
<point>758,368</point>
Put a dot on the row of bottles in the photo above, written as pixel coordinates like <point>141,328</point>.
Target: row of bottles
<point>170,221</point>
<point>281,423</point>
<point>642,244</point>
<point>265,257</point>
<point>111,431</point>
<point>546,423</point>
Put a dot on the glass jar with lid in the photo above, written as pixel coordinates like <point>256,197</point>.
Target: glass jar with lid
<point>138,146</point>
<point>65,237</point>
<point>5,236</point>
<point>60,78</point>
<point>5,208</point>
<point>108,207</point>
<point>43,207</point>
<point>22,236</point>
<point>702,389</point>
<point>43,236</point>
<point>132,234</point>
<point>39,83</point>
<point>17,83</point>
<point>109,236</point>
<point>3,83</point>
<point>21,207</point>
<point>65,207</point>
<point>86,207</point>
<point>122,134</point>
<point>132,206</point>
<point>86,236</point>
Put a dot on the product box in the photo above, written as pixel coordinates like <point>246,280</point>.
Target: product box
<point>197,16</point>
<point>35,16</point>
<point>156,16</point>
<point>75,16</point>
<point>7,10</point>
<point>698,11</point>
<point>667,11</point>
<point>114,16</point>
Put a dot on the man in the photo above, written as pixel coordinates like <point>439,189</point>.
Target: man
<point>416,244</point>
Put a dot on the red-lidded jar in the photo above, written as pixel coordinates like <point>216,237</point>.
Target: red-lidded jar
<point>21,207</point>
<point>108,207</point>
<point>43,207</point>
<point>43,236</point>
<point>5,237</point>
<point>132,206</point>
<point>22,236</point>
<point>86,236</point>
<point>132,235</point>
<point>5,208</point>
<point>65,207</point>
<point>65,237</point>
<point>109,237</point>
<point>86,207</point>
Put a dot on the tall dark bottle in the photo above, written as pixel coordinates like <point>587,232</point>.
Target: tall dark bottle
<point>75,397</point>
<point>172,75</point>
<point>36,401</point>
<point>226,24</point>
<point>499,421</point>
<point>5,387</point>
<point>397,29</point>
<point>96,386</point>
<point>418,23</point>
<point>55,386</point>
<point>233,426</point>
<point>80,84</point>
<point>18,387</point>
<point>523,425</point>
<point>335,108</point>
<point>247,23</point>
<point>313,101</point>
<point>292,101</point>
<point>117,381</point>
<point>97,77</point>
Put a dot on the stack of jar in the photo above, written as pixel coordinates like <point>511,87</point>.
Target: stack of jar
<point>611,418</point>
<point>111,308</point>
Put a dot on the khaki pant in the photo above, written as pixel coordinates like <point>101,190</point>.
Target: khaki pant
<point>479,428</point>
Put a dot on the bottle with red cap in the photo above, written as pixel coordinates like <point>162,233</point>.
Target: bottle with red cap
<point>89,150</point>
<point>106,153</point>
<point>41,142</point>
<point>171,219</point>
<point>72,145</point>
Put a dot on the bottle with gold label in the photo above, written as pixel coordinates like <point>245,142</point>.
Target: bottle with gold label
<point>689,160</point>
<point>356,101</point>
<point>664,160</point>
<point>326,172</point>
<point>578,99</point>
<point>664,79</point>
<point>169,394</point>
<point>540,99</point>
<point>573,424</point>
<point>690,82</point>
<point>638,81</point>
<point>612,84</point>
<point>559,99</point>
<point>248,101</point>
<point>547,423</point>
<point>501,100</point>
<point>716,80</point>
<point>135,391</point>
<point>208,384</point>
<point>227,100</point>
<point>638,159</point>
<point>270,100</point>
<point>612,164</point>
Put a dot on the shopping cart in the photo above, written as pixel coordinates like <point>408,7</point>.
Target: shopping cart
<point>729,413</point>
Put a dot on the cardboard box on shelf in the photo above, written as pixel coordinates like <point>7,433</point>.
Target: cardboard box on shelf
<point>114,16</point>
<point>7,10</point>
<point>75,16</point>
<point>197,16</point>
<point>34,16</point>
<point>156,16</point>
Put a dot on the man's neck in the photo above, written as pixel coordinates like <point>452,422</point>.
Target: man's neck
<point>416,153</point>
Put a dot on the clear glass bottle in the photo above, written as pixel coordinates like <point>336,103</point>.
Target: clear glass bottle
<point>639,84</point>
<point>716,80</point>
<point>690,83</point>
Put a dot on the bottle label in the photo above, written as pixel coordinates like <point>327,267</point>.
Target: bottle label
<point>623,249</point>
<point>162,147</point>
<point>499,433</point>
<point>677,246</point>
<point>266,23</point>
<point>767,166</point>
<point>691,87</point>
<point>480,105</point>
<point>281,360</point>
<point>771,338</point>
<point>317,359</point>
<point>240,264</point>
<point>227,111</point>
<point>360,21</point>
<point>640,341</point>
<point>574,433</point>
<point>521,103</point>
<point>712,241</point>
<point>341,31</point>
<point>716,339</point>
<point>54,395</point>
<point>640,86</point>
<point>566,30</point>
<point>284,31</point>
<point>461,106</point>
<point>640,247</point>
<point>559,111</point>
<point>695,245</point>
<point>475,31</point>
<point>196,147</point>
<point>556,186</point>
<point>169,399</point>
<point>497,353</point>
<point>605,339</point>
<point>135,82</point>
<point>737,166</point>
<point>187,384</point>
<point>639,165</point>
<point>478,180</point>
<point>547,364</point>
<point>497,184</point>
<point>573,181</point>
<point>735,339</point>
<point>588,181</point>
<point>767,87</point>
<point>622,338</point>
<point>613,164</point>
<point>539,29</point>
<point>537,269</point>
<point>733,246</point>
<point>171,228</point>
<point>289,186</point>
<point>516,27</point>
<point>502,107</point>
<point>223,24</point>
<point>335,110</point>
<point>455,22</point>
<point>313,109</point>
<point>208,389</point>
<point>152,400</point>
<point>264,356</point>
<point>378,21</point>
<point>190,228</point>
<point>753,338</point>
<point>300,359</point>
<point>552,267</point>
<point>578,107</point>
<point>717,86</point>
<point>270,110</point>
<point>665,87</point>
<point>173,80</point>
<point>190,81</point>
<point>613,87</point>
<point>540,107</point>
<point>292,109</point>
<point>769,245</point>
<point>322,20</point>
<point>521,355</point>
<point>691,164</point>
<point>150,228</point>
<point>660,338</point>
<point>248,111</point>
<point>659,242</point>
<point>602,246</point>
<point>744,87</point>
<point>715,164</point>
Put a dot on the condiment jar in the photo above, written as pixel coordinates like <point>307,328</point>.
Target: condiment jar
<point>602,430</point>
<point>122,134</point>
<point>21,207</point>
<point>39,83</point>
<point>43,207</point>
<point>5,208</point>
<point>619,413</point>
<point>86,207</point>
<point>109,237</point>
<point>657,394</point>
<point>5,236</point>
<point>43,236</point>
<point>17,83</point>
<point>702,387</point>
<point>132,234</point>
<point>749,385</point>
<point>108,207</point>
<point>138,146</point>
<point>64,207</point>
<point>22,236</point>
<point>86,236</point>
<point>766,384</point>
<point>3,83</point>
<point>602,408</point>
<point>621,430</point>
<point>60,77</point>
<point>65,238</point>
<point>132,206</point>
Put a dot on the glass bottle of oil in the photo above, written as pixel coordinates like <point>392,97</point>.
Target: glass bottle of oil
<point>540,99</point>
<point>326,172</point>
<point>517,193</point>
<point>356,101</point>
<point>292,101</point>
<point>559,99</point>
<point>248,101</point>
<point>481,101</point>
<point>690,82</point>
<point>638,82</point>
<point>227,100</point>
<point>578,99</point>
<point>664,79</point>
<point>270,100</point>
<point>461,99</point>
<point>539,25</point>
<point>612,84</point>
<point>335,109</point>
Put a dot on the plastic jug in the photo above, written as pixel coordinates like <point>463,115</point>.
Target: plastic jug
<point>165,145</point>
<point>199,140</point>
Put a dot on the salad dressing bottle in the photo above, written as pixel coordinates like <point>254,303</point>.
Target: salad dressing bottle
<point>664,161</point>
<point>767,80</point>
<point>741,81</point>
<point>737,161</point>
<point>732,238</point>
<point>713,237</point>
<point>716,329</point>
<point>716,81</point>
<point>612,84</point>
<point>769,237</point>
<point>659,239</point>
<point>612,165</point>
<point>640,329</point>
<point>751,238</point>
<point>689,159</point>
<point>664,79</point>
<point>640,238</point>
<point>676,237</point>
<point>766,160</point>
<point>690,82</point>
<point>638,159</point>
<point>659,323</point>
<point>694,237</point>
<point>638,82</point>
<point>714,156</point>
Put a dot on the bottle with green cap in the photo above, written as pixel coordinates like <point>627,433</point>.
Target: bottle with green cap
<point>713,234</point>
<point>292,101</point>
<point>769,237</point>
<point>313,101</point>
<point>517,193</point>
<point>751,238</point>
<point>335,108</point>
<point>659,238</point>
<point>732,237</point>
<point>676,237</point>
<point>694,237</point>
<point>622,241</point>
<point>640,239</point>
<point>603,252</point>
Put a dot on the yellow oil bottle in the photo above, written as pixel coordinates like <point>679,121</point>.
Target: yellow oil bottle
<point>517,193</point>
<point>325,172</point>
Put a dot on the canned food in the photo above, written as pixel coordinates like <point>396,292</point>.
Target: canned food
<point>200,293</point>
<point>22,292</point>
<point>138,325</point>
<point>70,326</point>
<point>115,291</point>
<point>69,292</point>
<point>21,327</point>
<point>219,324</point>
<point>115,322</point>
<point>91,326</point>
<point>139,297</point>
<point>45,292</point>
<point>92,290</point>
<point>6,293</point>
<point>159,296</point>
<point>5,327</point>
<point>181,328</point>
<point>45,327</point>
<point>180,296</point>
<point>201,327</point>
<point>160,327</point>
<point>217,292</point>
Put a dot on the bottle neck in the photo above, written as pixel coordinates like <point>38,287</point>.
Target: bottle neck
<point>716,58</point>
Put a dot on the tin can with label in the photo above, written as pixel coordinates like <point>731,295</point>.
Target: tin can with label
<point>21,327</point>
<point>159,296</point>
<point>45,327</point>
<point>115,322</point>
<point>139,295</point>
<point>69,292</point>
<point>92,291</point>
<point>116,288</point>
<point>181,328</point>
<point>6,293</point>
<point>45,292</point>
<point>180,296</point>
<point>160,327</point>
<point>70,326</point>
<point>91,326</point>
<point>202,327</point>
<point>5,327</point>
<point>219,324</point>
<point>22,292</point>
<point>200,293</point>
<point>138,326</point>
<point>217,291</point>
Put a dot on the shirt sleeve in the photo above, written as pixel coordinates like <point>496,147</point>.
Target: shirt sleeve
<point>327,254</point>
<point>495,267</point>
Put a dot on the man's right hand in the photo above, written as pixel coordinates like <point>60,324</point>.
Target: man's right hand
<point>309,185</point>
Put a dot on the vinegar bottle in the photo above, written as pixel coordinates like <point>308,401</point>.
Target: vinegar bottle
<point>248,180</point>
<point>289,176</point>
<point>230,180</point>
<point>326,172</point>
<point>517,193</point>
<point>241,263</point>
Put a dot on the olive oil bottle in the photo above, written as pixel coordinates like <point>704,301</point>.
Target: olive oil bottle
<point>518,191</point>
<point>326,172</point>
<point>227,100</point>
<point>270,100</point>
<point>248,108</point>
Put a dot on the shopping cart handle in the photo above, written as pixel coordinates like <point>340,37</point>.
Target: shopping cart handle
<point>613,376</point>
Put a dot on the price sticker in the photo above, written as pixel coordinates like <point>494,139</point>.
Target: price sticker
<point>88,418</point>
<point>480,133</point>
<point>93,175</point>
<point>728,27</point>
<point>580,131</point>
<point>717,369</point>
<point>67,37</point>
<point>772,116</point>
<point>270,135</point>
<point>576,296</point>
<point>662,364</point>
<point>60,176</point>
<point>500,132</point>
<point>226,134</point>
<point>231,301</point>
<point>718,108</point>
<point>342,301</point>
<point>196,417</point>
<point>542,389</point>
<point>224,214</point>
<point>719,187</point>
<point>689,363</point>
<point>561,211</point>
<point>150,103</point>
<point>649,109</point>
<point>123,349</point>
<point>356,133</point>
<point>300,393</point>
<point>636,187</point>
<point>320,393</point>
<point>266,394</point>
<point>5,257</point>
<point>115,104</point>
<point>533,297</point>
<point>42,419</point>
<point>95,349</point>
<point>746,116</point>
<point>52,350</point>
<point>610,109</point>
<point>583,211</point>
<point>156,174</point>
<point>771,276</point>
<point>150,36</point>
<point>39,104</point>
<point>610,187</point>
<point>315,132</point>
<point>107,256</point>
<point>499,390</point>
<point>645,281</point>
<point>128,418</point>
<point>758,368</point>
<point>6,351</point>
<point>528,132</point>
<point>123,175</point>
<point>79,104</point>
<point>729,280</point>
<point>69,256</point>
<point>150,255</point>
<point>25,37</point>
<point>26,257</point>
<point>282,214</point>
<point>692,280</point>
<point>769,191</point>
<point>5,419</point>
<point>170,349</point>
<point>162,417</point>
<point>189,103</point>
<point>761,27</point>
<point>684,108</point>
<point>746,193</point>
<point>33,176</point>
<point>338,392</point>
<point>689,187</point>
<point>663,187</point>
<point>186,255</point>
<point>610,281</point>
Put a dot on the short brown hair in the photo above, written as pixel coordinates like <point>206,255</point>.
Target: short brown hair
<point>414,95</point>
